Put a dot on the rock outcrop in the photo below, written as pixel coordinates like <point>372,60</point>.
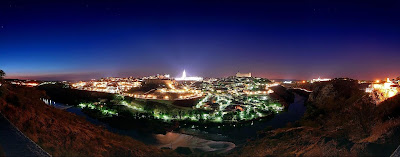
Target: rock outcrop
<point>340,120</point>
<point>282,94</point>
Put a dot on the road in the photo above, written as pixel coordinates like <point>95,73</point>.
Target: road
<point>396,153</point>
<point>14,143</point>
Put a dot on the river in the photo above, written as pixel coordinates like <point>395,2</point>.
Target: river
<point>215,139</point>
<point>243,132</point>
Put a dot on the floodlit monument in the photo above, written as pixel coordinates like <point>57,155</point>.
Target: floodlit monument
<point>238,74</point>
<point>185,78</point>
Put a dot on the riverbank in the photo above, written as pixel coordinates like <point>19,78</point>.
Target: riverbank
<point>170,140</point>
<point>65,134</point>
<point>201,139</point>
<point>241,133</point>
<point>211,137</point>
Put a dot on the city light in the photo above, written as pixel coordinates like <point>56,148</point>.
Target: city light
<point>229,99</point>
<point>185,78</point>
<point>382,91</point>
<point>108,85</point>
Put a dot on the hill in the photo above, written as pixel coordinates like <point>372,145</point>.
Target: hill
<point>64,134</point>
<point>340,120</point>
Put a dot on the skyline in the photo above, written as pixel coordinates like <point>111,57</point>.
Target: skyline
<point>277,40</point>
<point>97,76</point>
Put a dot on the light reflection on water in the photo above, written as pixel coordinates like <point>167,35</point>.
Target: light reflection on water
<point>174,140</point>
<point>170,140</point>
<point>242,132</point>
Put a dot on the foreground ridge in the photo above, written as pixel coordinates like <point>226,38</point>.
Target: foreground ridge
<point>15,143</point>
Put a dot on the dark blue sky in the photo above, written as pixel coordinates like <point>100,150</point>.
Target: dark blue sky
<point>283,39</point>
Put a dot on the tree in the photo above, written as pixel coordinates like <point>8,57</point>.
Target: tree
<point>117,99</point>
<point>2,73</point>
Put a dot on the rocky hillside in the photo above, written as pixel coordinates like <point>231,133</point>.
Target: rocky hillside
<point>64,134</point>
<point>340,120</point>
<point>282,94</point>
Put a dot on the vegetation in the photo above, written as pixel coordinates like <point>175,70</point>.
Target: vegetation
<point>2,74</point>
<point>340,120</point>
<point>282,94</point>
<point>64,134</point>
<point>60,93</point>
<point>2,89</point>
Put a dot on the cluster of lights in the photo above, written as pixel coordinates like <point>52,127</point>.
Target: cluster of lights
<point>319,79</point>
<point>108,85</point>
<point>123,85</point>
<point>258,92</point>
<point>162,94</point>
<point>182,92</point>
<point>28,83</point>
<point>104,110</point>
<point>244,95</point>
<point>229,99</point>
<point>382,91</point>
<point>230,105</point>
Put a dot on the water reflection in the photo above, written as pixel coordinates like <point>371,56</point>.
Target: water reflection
<point>212,139</point>
<point>170,140</point>
<point>175,140</point>
<point>242,132</point>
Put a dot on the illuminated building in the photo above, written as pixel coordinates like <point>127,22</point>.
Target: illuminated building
<point>28,83</point>
<point>238,74</point>
<point>185,78</point>
<point>287,82</point>
<point>319,79</point>
<point>108,85</point>
<point>382,91</point>
<point>158,76</point>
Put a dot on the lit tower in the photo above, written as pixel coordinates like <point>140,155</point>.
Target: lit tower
<point>184,74</point>
<point>184,78</point>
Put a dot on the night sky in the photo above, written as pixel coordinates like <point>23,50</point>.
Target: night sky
<point>71,40</point>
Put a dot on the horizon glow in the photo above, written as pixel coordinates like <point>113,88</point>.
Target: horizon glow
<point>68,40</point>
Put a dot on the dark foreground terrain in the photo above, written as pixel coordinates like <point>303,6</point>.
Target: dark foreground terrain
<point>16,143</point>
<point>64,134</point>
<point>340,120</point>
